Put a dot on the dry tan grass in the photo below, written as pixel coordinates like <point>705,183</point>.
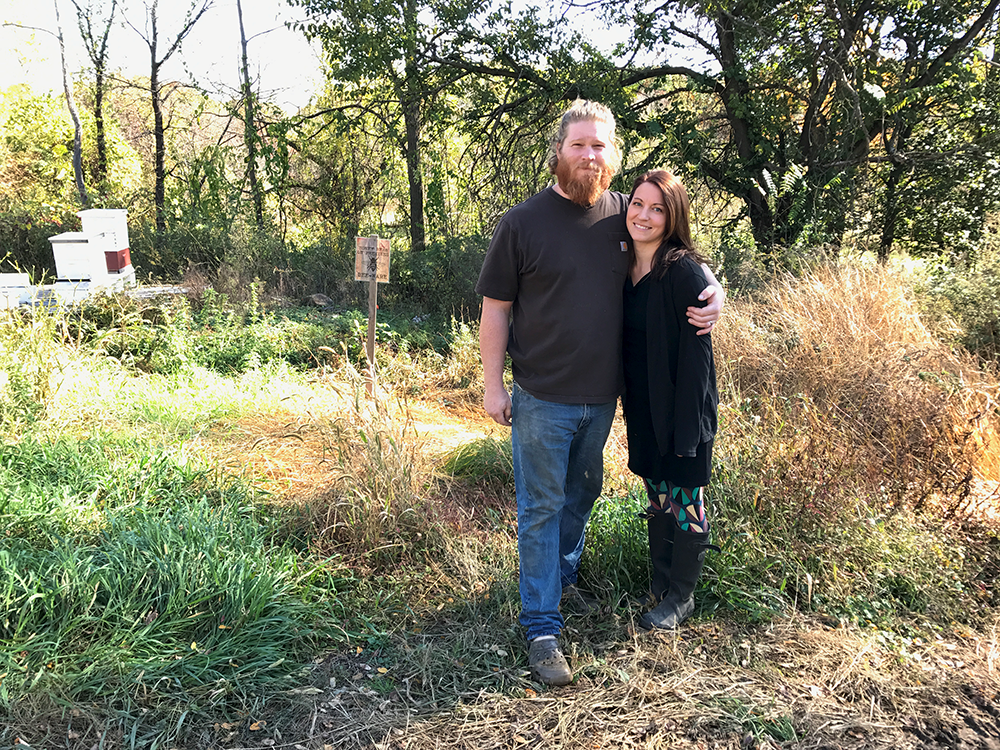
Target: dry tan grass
<point>841,361</point>
<point>713,685</point>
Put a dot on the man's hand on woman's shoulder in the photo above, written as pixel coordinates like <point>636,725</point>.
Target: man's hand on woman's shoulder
<point>706,317</point>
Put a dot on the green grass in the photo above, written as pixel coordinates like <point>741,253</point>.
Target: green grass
<point>168,336</point>
<point>137,581</point>
<point>486,460</point>
<point>616,556</point>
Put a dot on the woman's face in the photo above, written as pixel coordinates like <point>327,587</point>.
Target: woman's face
<point>647,215</point>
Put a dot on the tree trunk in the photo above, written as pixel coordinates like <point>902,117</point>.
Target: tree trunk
<point>736,99</point>
<point>77,128</point>
<point>97,50</point>
<point>411,102</point>
<point>411,116</point>
<point>102,145</point>
<point>151,38</point>
<point>160,148</point>
<point>761,224</point>
<point>250,129</point>
<point>891,213</point>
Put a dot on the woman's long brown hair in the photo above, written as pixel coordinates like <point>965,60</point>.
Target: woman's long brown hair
<point>676,242</point>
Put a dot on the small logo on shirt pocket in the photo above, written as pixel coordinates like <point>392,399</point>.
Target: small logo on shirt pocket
<point>624,246</point>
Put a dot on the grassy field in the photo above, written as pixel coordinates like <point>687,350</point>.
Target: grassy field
<point>211,538</point>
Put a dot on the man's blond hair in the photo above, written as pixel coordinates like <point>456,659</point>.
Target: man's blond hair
<point>584,110</point>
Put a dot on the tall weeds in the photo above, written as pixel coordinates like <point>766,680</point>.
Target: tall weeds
<point>837,373</point>
<point>375,509</point>
<point>841,418</point>
<point>31,362</point>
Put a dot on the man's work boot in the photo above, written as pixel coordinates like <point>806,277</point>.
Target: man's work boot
<point>547,663</point>
<point>686,564</point>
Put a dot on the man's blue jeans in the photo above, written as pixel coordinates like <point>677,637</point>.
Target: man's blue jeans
<point>558,473</point>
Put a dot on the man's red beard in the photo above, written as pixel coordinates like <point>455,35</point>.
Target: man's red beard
<point>585,186</point>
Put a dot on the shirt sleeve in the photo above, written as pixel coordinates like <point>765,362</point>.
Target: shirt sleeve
<point>499,276</point>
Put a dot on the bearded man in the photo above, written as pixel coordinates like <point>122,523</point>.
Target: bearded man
<point>552,286</point>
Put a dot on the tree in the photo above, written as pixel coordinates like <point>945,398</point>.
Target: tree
<point>380,48</point>
<point>250,125</point>
<point>522,70</point>
<point>95,30</point>
<point>501,77</point>
<point>150,35</point>
<point>945,178</point>
<point>71,106</point>
<point>35,169</point>
<point>797,100</point>
<point>74,115</point>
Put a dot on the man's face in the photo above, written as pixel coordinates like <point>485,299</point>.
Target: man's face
<point>583,172</point>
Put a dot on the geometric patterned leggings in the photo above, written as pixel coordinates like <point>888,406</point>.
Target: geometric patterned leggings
<point>687,504</point>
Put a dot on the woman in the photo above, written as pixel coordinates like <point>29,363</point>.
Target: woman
<point>670,399</point>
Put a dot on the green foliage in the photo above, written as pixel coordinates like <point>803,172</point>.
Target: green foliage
<point>36,166</point>
<point>125,568</point>
<point>168,336</point>
<point>30,366</point>
<point>617,552</point>
<point>758,721</point>
<point>815,136</point>
<point>463,368</point>
<point>25,232</point>
<point>962,301</point>
<point>441,279</point>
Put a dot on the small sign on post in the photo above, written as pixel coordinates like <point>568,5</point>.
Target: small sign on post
<point>371,260</point>
<point>371,264</point>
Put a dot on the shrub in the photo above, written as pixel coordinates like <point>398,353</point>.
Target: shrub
<point>24,237</point>
<point>963,303</point>
<point>847,431</point>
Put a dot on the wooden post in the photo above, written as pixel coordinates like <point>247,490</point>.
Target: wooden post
<point>372,312</point>
<point>371,264</point>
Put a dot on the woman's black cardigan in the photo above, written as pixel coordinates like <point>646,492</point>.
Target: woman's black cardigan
<point>682,392</point>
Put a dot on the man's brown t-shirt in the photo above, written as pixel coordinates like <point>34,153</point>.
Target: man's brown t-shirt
<point>564,268</point>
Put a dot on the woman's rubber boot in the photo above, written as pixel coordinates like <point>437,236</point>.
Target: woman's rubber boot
<point>660,532</point>
<point>687,562</point>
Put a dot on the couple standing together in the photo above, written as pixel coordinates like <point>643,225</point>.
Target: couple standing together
<point>596,295</point>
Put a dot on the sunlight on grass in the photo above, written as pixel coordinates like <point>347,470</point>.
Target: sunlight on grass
<point>99,393</point>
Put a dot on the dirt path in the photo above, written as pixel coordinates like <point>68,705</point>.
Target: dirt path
<point>447,420</point>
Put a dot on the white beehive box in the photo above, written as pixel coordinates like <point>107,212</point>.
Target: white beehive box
<point>107,221</point>
<point>113,222</point>
<point>15,290</point>
<point>80,256</point>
